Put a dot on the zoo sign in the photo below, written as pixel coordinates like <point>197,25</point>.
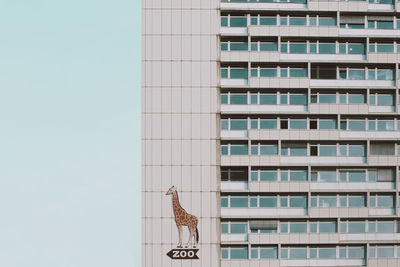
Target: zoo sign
<point>183,254</point>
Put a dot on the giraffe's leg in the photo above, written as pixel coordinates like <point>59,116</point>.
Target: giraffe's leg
<point>190,236</point>
<point>180,236</point>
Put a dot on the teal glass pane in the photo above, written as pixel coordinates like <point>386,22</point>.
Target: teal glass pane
<point>296,227</point>
<point>238,99</point>
<point>239,46</point>
<point>298,151</point>
<point>372,99</point>
<point>254,150</point>
<point>224,73</point>
<point>385,227</point>
<point>313,48</point>
<point>253,202</point>
<point>224,150</point>
<point>254,253</point>
<point>284,151</point>
<point>238,228</point>
<point>224,21</point>
<point>327,176</point>
<point>327,201</point>
<point>268,252</point>
<point>268,176</point>
<point>327,253</point>
<point>284,228</point>
<point>224,253</point>
<point>268,46</point>
<point>385,74</point>
<point>385,125</point>
<point>372,48</point>
<point>358,49</point>
<point>224,228</point>
<point>343,125</point>
<point>298,99</point>
<point>355,26</point>
<point>298,124</point>
<point>384,25</point>
<point>268,150</point>
<point>253,99</point>
<point>356,252</point>
<point>356,151</point>
<point>342,252</point>
<point>224,125</point>
<point>356,125</point>
<point>239,73</point>
<point>385,251</point>
<point>284,99</point>
<point>327,124</point>
<point>239,150</point>
<point>297,21</point>
<point>238,22</point>
<point>313,201</point>
<point>254,72</point>
<point>327,98</point>
<point>314,99</point>
<point>284,202</point>
<point>224,46</point>
<point>327,21</point>
<point>371,24</point>
<point>298,253</point>
<point>356,74</point>
<point>254,124</point>
<point>343,150</point>
<point>296,176</point>
<point>268,202</point>
<point>371,176</point>
<point>239,253</point>
<point>356,201</point>
<point>268,99</point>
<point>343,227</point>
<point>270,72</point>
<point>342,48</point>
<point>284,253</point>
<point>284,48</point>
<point>357,176</point>
<point>298,73</point>
<point>385,201</point>
<point>357,99</point>
<point>313,21</point>
<point>371,74</point>
<point>268,20</point>
<point>343,176</point>
<point>224,201</point>
<point>385,48</point>
<point>327,150</point>
<point>372,252</point>
<point>284,72</point>
<point>238,124</point>
<point>284,21</point>
<point>268,124</point>
<point>327,48</point>
<point>298,202</point>
<point>313,227</point>
<point>342,99</point>
<point>327,227</point>
<point>284,176</point>
<point>239,202</point>
<point>253,21</point>
<point>342,74</point>
<point>298,48</point>
<point>224,99</point>
<point>254,176</point>
<point>385,100</point>
<point>314,176</point>
<point>372,201</point>
<point>254,46</point>
<point>343,201</point>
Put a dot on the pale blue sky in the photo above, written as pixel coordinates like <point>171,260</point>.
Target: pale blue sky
<point>69,133</point>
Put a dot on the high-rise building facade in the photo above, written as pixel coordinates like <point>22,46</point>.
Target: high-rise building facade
<point>274,126</point>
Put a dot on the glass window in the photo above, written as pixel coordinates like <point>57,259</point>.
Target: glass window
<point>268,202</point>
<point>327,253</point>
<point>385,48</point>
<point>356,227</point>
<point>239,253</point>
<point>267,20</point>
<point>384,24</point>
<point>224,125</point>
<point>238,228</point>
<point>238,99</point>
<point>385,125</point>
<point>298,202</point>
<point>356,49</point>
<point>298,253</point>
<point>385,100</point>
<point>298,124</point>
<point>268,46</point>
<point>327,150</point>
<point>239,46</point>
<point>238,22</point>
<point>356,99</point>
<point>298,175</point>
<point>356,201</point>
<point>356,74</point>
<point>268,176</point>
<point>239,150</point>
<point>385,251</point>
<point>298,72</point>
<point>298,151</point>
<point>298,99</point>
<point>298,227</point>
<point>268,252</point>
<point>327,21</point>
<point>386,227</point>
<point>385,74</point>
<point>327,176</point>
<point>239,73</point>
<point>268,149</point>
<point>224,228</point>
<point>356,150</point>
<point>254,46</point>
<point>385,201</point>
<point>268,124</point>
<point>356,125</point>
<point>301,21</point>
<point>224,149</point>
<point>327,201</point>
<point>356,252</point>
<point>224,201</point>
<point>356,176</point>
<point>224,99</point>
<point>268,72</point>
<point>327,98</point>
<point>327,227</point>
<point>327,124</point>
<point>327,48</point>
<point>238,124</point>
<point>268,99</point>
<point>239,202</point>
<point>224,21</point>
<point>298,48</point>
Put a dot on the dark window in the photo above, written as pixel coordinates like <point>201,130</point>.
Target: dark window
<point>313,151</point>
<point>313,124</point>
<point>284,124</point>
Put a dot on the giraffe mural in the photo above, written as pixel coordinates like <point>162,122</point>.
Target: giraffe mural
<point>182,218</point>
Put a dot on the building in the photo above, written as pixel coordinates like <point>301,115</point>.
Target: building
<point>279,123</point>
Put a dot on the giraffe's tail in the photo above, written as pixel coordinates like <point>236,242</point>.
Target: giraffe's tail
<point>197,235</point>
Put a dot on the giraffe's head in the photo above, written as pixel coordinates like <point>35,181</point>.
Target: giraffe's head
<point>171,190</point>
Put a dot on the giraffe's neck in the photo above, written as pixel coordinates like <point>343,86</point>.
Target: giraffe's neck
<point>175,203</point>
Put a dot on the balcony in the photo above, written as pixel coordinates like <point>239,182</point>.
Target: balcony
<point>292,187</point>
<point>369,32</point>
<point>268,82</point>
<point>322,160</point>
<point>375,237</point>
<point>262,212</point>
<point>384,160</point>
<point>294,238</point>
<point>338,212</point>
<point>294,31</point>
<point>248,263</point>
<point>355,6</point>
<point>370,135</point>
<point>339,108</point>
<point>234,238</point>
<point>260,6</point>
<point>383,57</point>
<point>234,186</point>
<point>262,109</point>
<point>320,262</point>
<point>234,30</point>
<point>318,83</point>
<point>341,186</point>
<point>322,57</point>
<point>234,82</point>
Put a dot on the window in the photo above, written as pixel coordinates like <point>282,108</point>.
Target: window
<point>234,252</point>
<point>298,124</point>
<point>268,99</point>
<point>356,125</point>
<point>352,252</point>
<point>268,124</point>
<point>381,251</point>
<point>238,99</point>
<point>268,21</point>
<point>298,48</point>
<point>234,73</point>
<point>381,227</point>
<point>238,22</point>
<point>381,201</point>
<point>264,252</point>
<point>327,48</point>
